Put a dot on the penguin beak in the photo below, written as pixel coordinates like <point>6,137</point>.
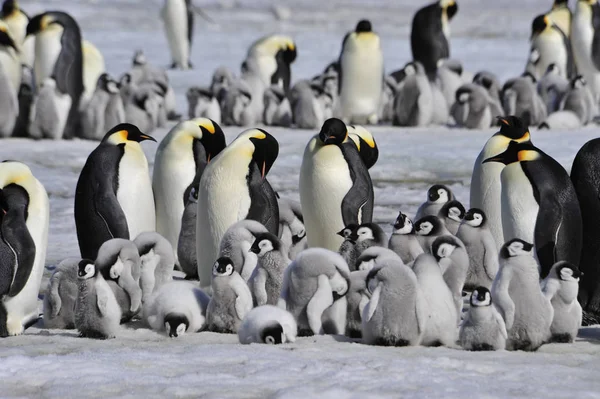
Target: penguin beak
<point>341,233</point>
<point>144,137</point>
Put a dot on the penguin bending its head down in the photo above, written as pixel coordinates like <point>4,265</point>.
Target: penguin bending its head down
<point>335,186</point>
<point>234,187</point>
<point>549,45</point>
<point>365,142</point>
<point>114,197</point>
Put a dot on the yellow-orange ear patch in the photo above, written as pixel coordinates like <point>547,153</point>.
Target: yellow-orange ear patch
<point>527,155</point>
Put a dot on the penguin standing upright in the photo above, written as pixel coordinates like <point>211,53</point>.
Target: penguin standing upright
<point>178,18</point>
<point>59,55</point>
<point>113,198</point>
<point>561,15</point>
<point>361,75</point>
<point>24,221</point>
<point>10,74</point>
<point>485,181</point>
<point>335,186</point>
<point>539,203</point>
<point>429,38</point>
<point>585,29</point>
<point>17,21</point>
<point>234,187</point>
<point>549,45</point>
<point>178,165</point>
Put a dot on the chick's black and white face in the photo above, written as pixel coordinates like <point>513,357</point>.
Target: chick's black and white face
<point>519,248</point>
<point>364,233</point>
<point>481,297</point>
<point>424,228</point>
<point>403,225</point>
<point>265,246</point>
<point>223,268</point>
<point>455,213</point>
<point>445,250</point>
<point>438,195</point>
<point>475,219</point>
<point>569,273</point>
<point>86,271</point>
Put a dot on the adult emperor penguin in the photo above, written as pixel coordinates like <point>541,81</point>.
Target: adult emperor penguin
<point>584,37</point>
<point>16,19</point>
<point>485,181</point>
<point>549,45</point>
<point>10,61</point>
<point>273,56</point>
<point>24,225</point>
<point>365,142</point>
<point>361,75</point>
<point>10,70</point>
<point>59,55</point>
<point>179,163</point>
<point>335,186</point>
<point>234,187</point>
<point>178,19</point>
<point>430,35</point>
<point>113,198</point>
<point>539,203</point>
<point>561,15</point>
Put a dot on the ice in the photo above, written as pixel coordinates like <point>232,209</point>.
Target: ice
<point>487,34</point>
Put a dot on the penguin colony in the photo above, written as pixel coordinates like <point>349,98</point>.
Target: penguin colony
<point>270,269</point>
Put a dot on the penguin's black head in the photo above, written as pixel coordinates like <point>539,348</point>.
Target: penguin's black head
<point>213,138</point>
<point>453,210</point>
<point>86,269</point>
<point>13,197</point>
<point>364,25</point>
<point>125,79</point>
<point>272,334</point>
<point>347,231</point>
<point>578,82</point>
<point>443,247</point>
<point>515,247</point>
<point>139,58</point>
<point>176,324</point>
<point>6,39</point>
<point>516,152</point>
<point>8,7</point>
<point>560,4</point>
<point>428,225</point>
<point>567,271</point>
<point>514,128</point>
<point>485,79</point>
<point>223,267</point>
<point>102,82</point>
<point>463,94</point>
<point>439,194</point>
<point>403,224</point>
<point>124,132</point>
<point>334,131</point>
<point>367,147</point>
<point>539,24</point>
<point>287,54</point>
<point>41,21</point>
<point>481,297</point>
<point>475,217</point>
<point>265,242</point>
<point>367,231</point>
<point>450,6</point>
<point>266,150</point>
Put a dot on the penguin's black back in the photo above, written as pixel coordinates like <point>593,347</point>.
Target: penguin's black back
<point>361,193</point>
<point>427,40</point>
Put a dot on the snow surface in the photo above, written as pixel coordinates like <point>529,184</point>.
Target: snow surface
<point>140,363</point>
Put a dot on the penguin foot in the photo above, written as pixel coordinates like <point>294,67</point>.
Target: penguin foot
<point>305,332</point>
<point>93,335</point>
<point>562,338</point>
<point>525,345</point>
<point>353,333</point>
<point>482,347</point>
<point>391,341</point>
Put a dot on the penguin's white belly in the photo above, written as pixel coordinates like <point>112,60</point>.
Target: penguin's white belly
<point>11,66</point>
<point>28,52</point>
<point>9,106</point>
<point>267,66</point>
<point>519,207</point>
<point>324,182</point>
<point>362,80</point>
<point>135,191</point>
<point>551,49</point>
<point>47,50</point>
<point>175,19</point>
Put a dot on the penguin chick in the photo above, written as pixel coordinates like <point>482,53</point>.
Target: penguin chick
<point>403,240</point>
<point>59,301</point>
<point>348,246</point>
<point>561,287</point>
<point>314,282</point>
<point>358,296</point>
<point>186,245</point>
<point>516,291</point>
<point>441,327</point>
<point>483,328</point>
<point>368,235</point>
<point>481,248</point>
<point>277,111</point>
<point>176,308</point>
<point>267,279</point>
<point>552,87</point>
<point>231,298</point>
<point>414,103</point>
<point>375,256</point>
<point>520,98</point>
<point>452,214</point>
<point>268,324</point>
<point>471,108</point>
<point>97,313</point>
<point>437,196</point>
<point>452,256</point>
<point>491,84</point>
<point>292,231</point>
<point>427,229</point>
<point>202,103</point>
<point>157,262</point>
<point>396,314</point>
<point>236,244</point>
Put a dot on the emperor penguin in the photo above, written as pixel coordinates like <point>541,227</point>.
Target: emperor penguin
<point>59,55</point>
<point>157,262</point>
<point>519,298</point>
<point>93,115</point>
<point>178,19</point>
<point>97,313</point>
<point>307,111</point>
<point>520,98</point>
<point>450,77</point>
<point>583,41</point>
<point>396,314</point>
<point>365,142</point>
<point>549,45</point>
<point>483,328</point>
<point>24,224</point>
<point>267,279</point>
<point>180,160</point>
<point>414,102</point>
<point>471,108</point>
<point>453,259</point>
<point>9,57</point>
<point>113,197</point>
<point>561,288</point>
<point>561,15</point>
<point>9,63</point>
<point>93,68</point>
<point>317,280</point>
<point>368,235</point>
<point>202,103</point>
<point>437,196</point>
<point>580,100</point>
<point>585,175</point>
<point>441,328</point>
<point>49,111</point>
<point>335,186</point>
<point>269,325</point>
<point>234,187</point>
<point>428,229</point>
<point>236,245</point>
<point>452,214</point>
<point>486,184</point>
<point>358,296</point>
<point>491,84</point>
<point>375,256</point>
<point>177,308</point>
<point>292,232</point>
<point>59,301</point>
<point>16,19</point>
<point>236,105</point>
<point>277,110</point>
<point>430,34</point>
<point>361,75</point>
<point>539,203</point>
<point>481,248</point>
<point>186,244</point>
<point>403,240</point>
<point>348,247</point>
<point>552,87</point>
<point>231,298</point>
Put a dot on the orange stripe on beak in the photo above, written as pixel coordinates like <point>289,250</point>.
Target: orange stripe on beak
<point>263,169</point>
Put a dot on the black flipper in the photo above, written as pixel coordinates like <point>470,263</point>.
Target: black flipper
<point>550,216</point>
<point>264,207</point>
<point>190,20</point>
<point>595,50</point>
<point>360,196</point>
